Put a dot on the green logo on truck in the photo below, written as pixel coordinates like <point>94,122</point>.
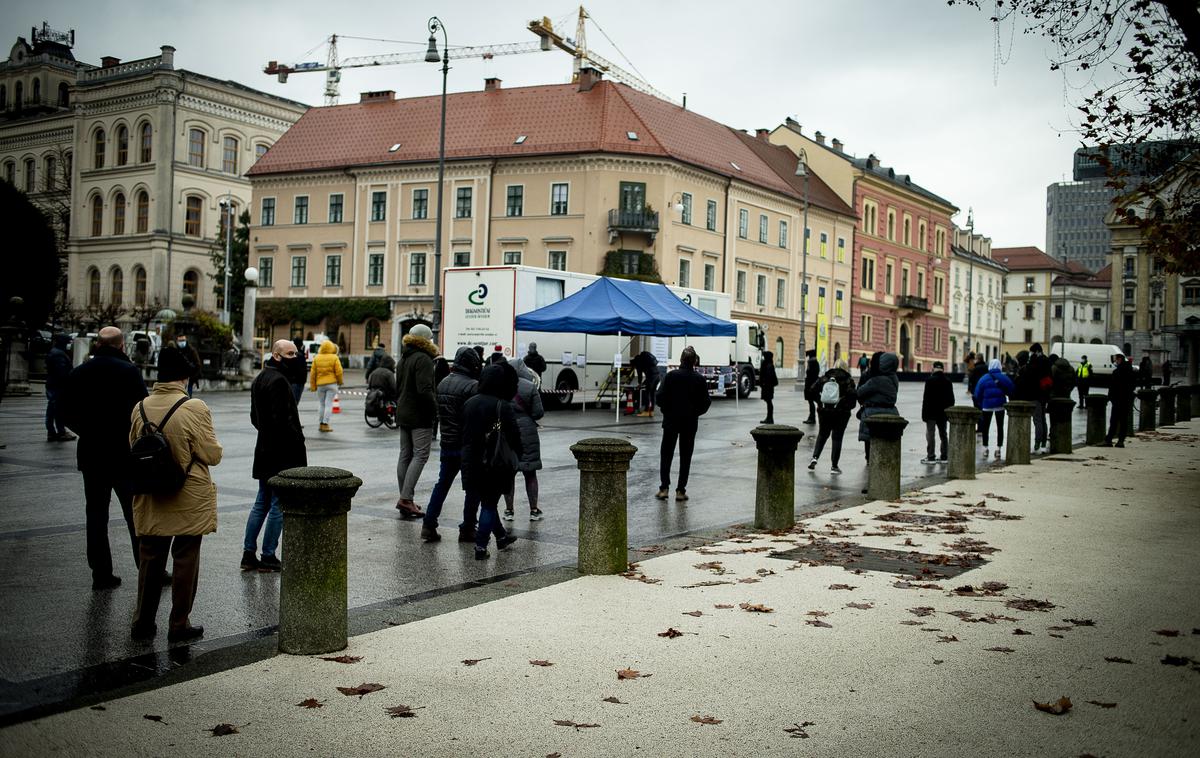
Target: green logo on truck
<point>477,296</point>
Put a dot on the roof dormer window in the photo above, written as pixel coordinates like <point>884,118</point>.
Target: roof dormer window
<point>632,136</point>
<point>520,140</point>
<point>394,148</point>
<point>736,167</point>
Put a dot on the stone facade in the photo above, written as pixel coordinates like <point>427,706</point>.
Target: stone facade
<point>976,293</point>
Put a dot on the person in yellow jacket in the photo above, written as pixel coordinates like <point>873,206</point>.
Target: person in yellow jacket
<point>1083,380</point>
<point>323,379</point>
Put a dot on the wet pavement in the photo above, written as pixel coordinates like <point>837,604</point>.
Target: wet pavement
<point>61,643</point>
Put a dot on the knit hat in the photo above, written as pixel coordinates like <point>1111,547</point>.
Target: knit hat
<point>420,330</point>
<point>174,365</point>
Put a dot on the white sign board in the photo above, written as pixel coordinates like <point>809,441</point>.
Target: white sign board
<point>479,310</point>
<point>661,348</point>
<point>567,358</point>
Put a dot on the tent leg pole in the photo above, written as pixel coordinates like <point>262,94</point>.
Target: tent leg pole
<point>617,397</point>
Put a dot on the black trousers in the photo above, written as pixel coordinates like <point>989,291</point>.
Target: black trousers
<point>832,426</point>
<point>770,409</point>
<point>185,550</point>
<point>1118,421</point>
<point>98,486</point>
<point>686,437</point>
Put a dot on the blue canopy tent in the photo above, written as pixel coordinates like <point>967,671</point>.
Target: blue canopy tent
<point>621,307</point>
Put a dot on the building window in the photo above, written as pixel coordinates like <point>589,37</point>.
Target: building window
<point>1029,285</point>
<point>147,143</point>
<point>51,169</point>
<point>557,259</point>
<point>887,279</point>
<point>939,289</point>
<point>30,176</point>
<point>891,225</point>
<point>93,296</point>
<point>865,328</point>
<point>300,210</point>
<point>685,273</point>
<point>196,147</point>
<point>122,145</point>
<point>119,214</point>
<point>841,250</point>
<point>416,269</point>
<point>266,272</point>
<point>837,304</point>
<point>374,269</point>
<point>378,206</point>
<point>98,149</point>
<point>260,150</point>
<point>229,156</point>
<point>420,203</point>
<point>937,338</point>
<point>743,223</point>
<point>143,212</point>
<point>867,281</point>
<point>780,293</point>
<point>97,216</point>
<point>116,294</point>
<point>10,169</point>
<point>922,230</point>
<point>191,223</point>
<point>762,228</point>
<point>515,201</point>
<point>820,299</point>
<point>710,277</point>
<point>559,194</point>
<point>139,286</point>
<point>268,212</point>
<point>686,216</point>
<point>462,203</point>
<point>1191,296</point>
<point>1029,332</point>
<point>870,220</point>
<point>824,245</point>
<point>920,284</point>
<point>191,283</point>
<point>1058,310</point>
<point>907,231</point>
<point>760,290</point>
<point>940,249</point>
<point>783,240</point>
<point>741,287</point>
<point>462,258</point>
<point>336,202</point>
<point>1028,311</point>
<point>333,271</point>
<point>299,270</point>
<point>710,221</point>
<point>513,258</point>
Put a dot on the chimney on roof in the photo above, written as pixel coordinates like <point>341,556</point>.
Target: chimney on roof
<point>379,96</point>
<point>872,161</point>
<point>108,61</point>
<point>762,134</point>
<point>589,77</point>
<point>168,57</point>
<point>837,144</point>
<point>820,138</point>
<point>491,84</point>
<point>789,121</point>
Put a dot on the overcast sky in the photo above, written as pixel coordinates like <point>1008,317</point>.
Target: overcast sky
<point>914,82</point>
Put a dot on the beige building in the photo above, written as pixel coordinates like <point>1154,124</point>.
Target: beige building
<point>976,298</point>
<point>134,160</point>
<point>594,178</point>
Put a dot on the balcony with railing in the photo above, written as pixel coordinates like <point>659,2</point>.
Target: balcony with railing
<point>912,303</point>
<point>640,222</point>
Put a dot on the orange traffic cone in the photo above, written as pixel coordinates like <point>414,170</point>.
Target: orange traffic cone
<point>628,402</point>
<point>337,404</point>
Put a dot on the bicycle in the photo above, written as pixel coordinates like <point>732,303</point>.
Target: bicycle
<point>388,416</point>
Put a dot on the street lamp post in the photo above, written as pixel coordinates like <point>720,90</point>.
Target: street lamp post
<point>970,277</point>
<point>227,211</point>
<point>431,56</point>
<point>802,170</point>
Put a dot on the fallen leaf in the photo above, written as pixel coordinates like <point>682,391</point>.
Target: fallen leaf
<point>817,614</point>
<point>705,719</point>
<point>1060,628</point>
<point>630,674</point>
<point>151,717</point>
<point>1026,604</point>
<point>365,688</point>
<point>704,584</point>
<point>1080,622</point>
<point>1176,660</point>
<point>671,633</point>
<point>861,606</point>
<point>221,730</point>
<point>1167,632</point>
<point>764,572</point>
<point>923,610</point>
<point>693,613</point>
<point>1103,705</point>
<point>613,700</point>
<point>755,608</point>
<point>565,722</point>
<point>402,711</point>
<point>842,587</point>
<point>343,658</point>
<point>818,622</point>
<point>1058,707</point>
<point>715,566</point>
<point>937,662</point>
<point>722,606</point>
<point>798,730</point>
<point>553,755</point>
<point>947,638</point>
<point>1057,636</point>
<point>311,702</point>
<point>912,622</point>
<point>1021,631</point>
<point>540,663</point>
<point>1114,659</point>
<point>749,580</point>
<point>999,649</point>
<point>473,661</point>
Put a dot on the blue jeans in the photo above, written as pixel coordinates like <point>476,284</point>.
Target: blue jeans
<point>451,465</point>
<point>259,513</point>
<point>489,521</point>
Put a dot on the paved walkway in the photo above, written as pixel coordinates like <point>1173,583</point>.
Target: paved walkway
<point>1082,571</point>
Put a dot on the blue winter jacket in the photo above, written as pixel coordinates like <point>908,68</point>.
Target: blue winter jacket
<point>993,390</point>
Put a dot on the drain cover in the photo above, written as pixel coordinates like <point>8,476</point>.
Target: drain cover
<point>911,563</point>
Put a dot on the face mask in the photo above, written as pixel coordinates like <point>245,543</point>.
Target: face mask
<point>181,343</point>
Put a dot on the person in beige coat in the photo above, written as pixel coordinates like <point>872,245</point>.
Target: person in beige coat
<point>173,524</point>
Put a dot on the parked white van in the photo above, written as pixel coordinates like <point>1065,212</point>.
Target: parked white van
<point>1100,356</point>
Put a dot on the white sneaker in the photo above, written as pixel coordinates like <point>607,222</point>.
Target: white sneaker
<point>928,461</point>
<point>835,470</point>
<point>508,516</point>
<point>997,456</point>
<point>812,464</point>
<point>985,451</point>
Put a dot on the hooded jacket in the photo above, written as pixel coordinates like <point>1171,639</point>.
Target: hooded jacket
<point>877,394</point>
<point>767,379</point>
<point>497,384</point>
<point>846,390</point>
<point>1062,378</point>
<point>527,404</point>
<point>938,396</point>
<point>273,412</point>
<point>383,377</point>
<point>326,368</point>
<point>416,383</point>
<point>994,389</point>
<point>460,385</point>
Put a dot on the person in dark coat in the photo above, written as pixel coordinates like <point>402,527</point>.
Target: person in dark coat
<point>833,420</point>
<point>416,411</point>
<point>646,365</point>
<point>296,370</point>
<point>768,381</point>
<point>977,371</point>
<point>1062,377</point>
<point>877,395</point>
<point>58,368</point>
<point>1040,382</point>
<point>374,361</point>
<point>527,405</point>
<point>280,445</point>
<point>938,396</point>
<point>1166,373</point>
<point>1120,395</point>
<point>534,360</point>
<point>453,392</point>
<point>683,398</point>
<point>992,393</point>
<point>812,376</point>
<point>497,385</point>
<point>1145,375</point>
<point>98,399</point>
<point>385,380</point>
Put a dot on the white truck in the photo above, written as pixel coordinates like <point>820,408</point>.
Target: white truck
<point>480,305</point>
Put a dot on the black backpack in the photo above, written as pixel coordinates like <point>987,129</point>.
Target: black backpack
<point>153,470</point>
<point>498,457</point>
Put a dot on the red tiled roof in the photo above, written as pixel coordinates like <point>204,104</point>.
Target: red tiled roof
<point>783,162</point>
<point>555,119</point>
<point>1104,274</point>
<point>1026,258</point>
<point>1102,279</point>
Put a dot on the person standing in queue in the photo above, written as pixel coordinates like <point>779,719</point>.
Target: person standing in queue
<point>683,398</point>
<point>1083,380</point>
<point>768,381</point>
<point>488,479</point>
<point>416,411</point>
<point>453,392</point>
<point>1121,385</point>
<point>812,381</point>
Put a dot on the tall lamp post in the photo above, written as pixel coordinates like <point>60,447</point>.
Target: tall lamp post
<point>970,279</point>
<point>802,171</point>
<point>431,56</point>
<point>227,212</point>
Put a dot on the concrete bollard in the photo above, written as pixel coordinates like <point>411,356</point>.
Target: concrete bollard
<point>883,470</point>
<point>1020,432</point>
<point>1195,393</point>
<point>1097,419</point>
<point>963,421</point>
<point>1183,403</point>
<point>603,497</point>
<point>775,487</point>
<point>1166,406</point>
<point>1149,411</point>
<point>312,591</point>
<point>1061,409</point>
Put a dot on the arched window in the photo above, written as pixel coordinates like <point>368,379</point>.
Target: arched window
<point>143,212</point>
<point>119,214</point>
<point>196,147</point>
<point>3,97</point>
<point>122,145</point>
<point>147,137</point>
<point>51,169</point>
<point>229,159</point>
<point>191,283</point>
<point>64,95</point>
<point>37,91</point>
<point>191,222</point>
<point>117,292</point>
<point>18,96</point>
<point>98,141</point>
<point>139,286</point>
<point>68,167</point>
<point>93,280</point>
<point>30,175</point>
<point>10,173</point>
<point>372,335</point>
<point>260,150</point>
<point>779,352</point>
<point>97,216</point>
<point>837,352</point>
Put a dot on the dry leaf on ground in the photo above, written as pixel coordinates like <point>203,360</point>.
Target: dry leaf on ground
<point>818,623</point>
<point>311,702</point>
<point>540,663</point>
<point>402,711</point>
<point>473,661</point>
<point>722,606</point>
<point>1115,659</point>
<point>755,608</point>
<point>1021,632</point>
<point>1167,632</point>
<point>697,614</point>
<point>343,658</point>
<point>842,587</point>
<point>221,730</point>
<point>152,717</point>
<point>1176,660</point>
<point>1103,705</point>
<point>1027,604</point>
<point>706,719</point>
<point>613,700</point>
<point>999,649</point>
<point>1058,707</point>
<point>923,610</point>
<point>671,633</point>
<point>947,638</point>
<point>567,722</point>
<point>861,606</point>
<point>798,730</point>
<point>630,674</point>
<point>365,688</point>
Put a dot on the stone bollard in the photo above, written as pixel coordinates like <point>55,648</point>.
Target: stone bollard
<point>1061,409</point>
<point>312,591</point>
<point>603,496</point>
<point>1149,410</point>
<point>883,470</point>
<point>1097,419</point>
<point>1020,432</point>
<point>1183,403</point>
<point>963,421</point>
<point>1195,393</point>
<point>1166,406</point>
<point>775,488</point>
